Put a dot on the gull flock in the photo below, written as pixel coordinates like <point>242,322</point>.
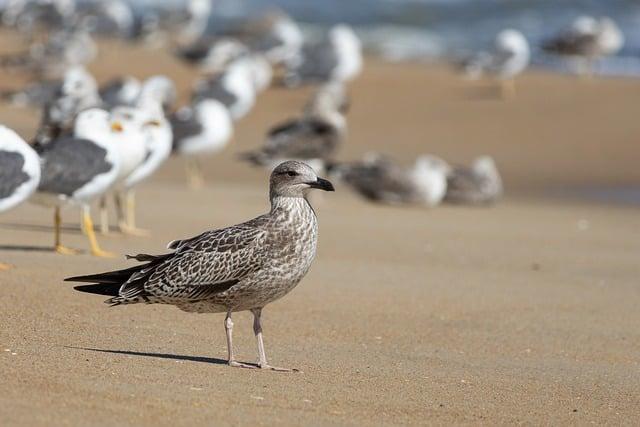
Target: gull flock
<point>95,144</point>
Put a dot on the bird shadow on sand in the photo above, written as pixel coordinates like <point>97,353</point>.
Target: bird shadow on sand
<point>39,228</point>
<point>26,248</point>
<point>202,359</point>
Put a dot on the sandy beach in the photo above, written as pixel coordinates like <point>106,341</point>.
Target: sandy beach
<point>521,313</point>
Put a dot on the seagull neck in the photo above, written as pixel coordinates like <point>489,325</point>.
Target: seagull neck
<point>288,204</point>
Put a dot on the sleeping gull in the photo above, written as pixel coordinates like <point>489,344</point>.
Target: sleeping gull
<point>509,57</point>
<point>379,179</point>
<point>313,138</point>
<point>478,184</point>
<point>202,129</point>
<point>239,268</point>
<point>79,169</point>
<point>338,58</point>
<point>19,171</point>
<point>587,38</point>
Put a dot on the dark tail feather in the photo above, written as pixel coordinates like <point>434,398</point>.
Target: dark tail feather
<point>118,277</point>
<point>110,290</point>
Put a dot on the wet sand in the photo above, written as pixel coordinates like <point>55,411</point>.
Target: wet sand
<point>525,312</point>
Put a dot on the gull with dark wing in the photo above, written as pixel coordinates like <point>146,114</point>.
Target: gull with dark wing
<point>239,268</point>
<point>79,169</point>
<point>379,179</point>
<point>19,171</point>
<point>337,58</point>
<point>587,38</point>
<point>78,91</point>
<point>313,138</point>
<point>120,91</point>
<point>235,88</point>
<point>478,184</point>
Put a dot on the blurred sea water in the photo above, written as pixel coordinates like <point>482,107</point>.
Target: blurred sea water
<point>433,29</point>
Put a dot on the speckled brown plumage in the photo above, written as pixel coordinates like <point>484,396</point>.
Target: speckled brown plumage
<point>243,267</point>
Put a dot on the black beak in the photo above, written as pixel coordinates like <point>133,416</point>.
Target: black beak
<point>322,184</point>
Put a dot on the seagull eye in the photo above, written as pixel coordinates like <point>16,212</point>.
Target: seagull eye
<point>292,173</point>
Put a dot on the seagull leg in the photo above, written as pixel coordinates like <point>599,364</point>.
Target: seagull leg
<point>195,177</point>
<point>125,214</point>
<point>257,329</point>
<point>5,267</point>
<point>130,197</point>
<point>93,241</point>
<point>104,216</point>
<point>228,327</point>
<point>57,223</point>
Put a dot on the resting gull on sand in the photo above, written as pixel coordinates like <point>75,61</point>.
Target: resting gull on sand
<point>478,184</point>
<point>19,171</point>
<point>238,268</point>
<point>378,178</point>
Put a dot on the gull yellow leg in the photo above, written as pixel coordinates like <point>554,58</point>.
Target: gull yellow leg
<point>195,177</point>
<point>58,247</point>
<point>104,216</point>
<point>5,267</point>
<point>127,220</point>
<point>93,241</point>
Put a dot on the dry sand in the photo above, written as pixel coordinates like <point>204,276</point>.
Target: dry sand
<point>526,312</point>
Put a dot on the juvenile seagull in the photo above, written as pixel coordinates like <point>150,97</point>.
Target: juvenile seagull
<point>509,57</point>
<point>243,267</point>
<point>478,184</point>
<point>19,171</point>
<point>379,179</point>
<point>587,38</point>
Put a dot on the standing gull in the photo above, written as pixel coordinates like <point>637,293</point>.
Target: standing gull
<point>19,171</point>
<point>235,88</point>
<point>79,169</point>
<point>478,184</point>
<point>202,129</point>
<point>313,138</point>
<point>239,268</point>
<point>587,38</point>
<point>509,57</point>
<point>338,58</point>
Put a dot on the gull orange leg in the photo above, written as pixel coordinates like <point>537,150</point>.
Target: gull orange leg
<point>58,247</point>
<point>5,267</point>
<point>93,241</point>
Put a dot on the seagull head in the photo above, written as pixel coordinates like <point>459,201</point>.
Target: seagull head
<point>295,179</point>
